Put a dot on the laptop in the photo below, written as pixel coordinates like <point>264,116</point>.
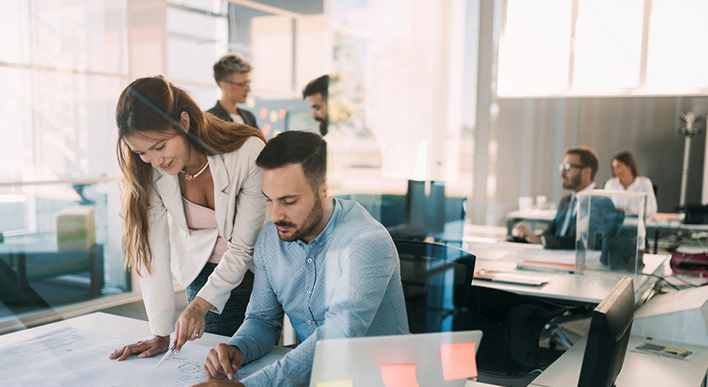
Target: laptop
<point>366,361</point>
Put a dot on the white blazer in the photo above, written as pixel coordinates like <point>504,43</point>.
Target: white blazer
<point>240,209</point>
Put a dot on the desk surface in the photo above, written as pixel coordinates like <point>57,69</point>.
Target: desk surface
<point>639,369</point>
<point>535,214</point>
<point>660,221</point>
<point>590,287</point>
<point>75,352</point>
<point>101,322</point>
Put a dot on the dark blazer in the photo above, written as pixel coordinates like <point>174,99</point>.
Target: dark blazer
<point>219,111</point>
<point>606,223</point>
<point>552,234</point>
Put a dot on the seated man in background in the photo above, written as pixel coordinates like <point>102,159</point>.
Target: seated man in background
<point>325,262</point>
<point>578,170</point>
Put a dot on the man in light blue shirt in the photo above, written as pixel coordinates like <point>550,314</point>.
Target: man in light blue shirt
<point>325,262</point>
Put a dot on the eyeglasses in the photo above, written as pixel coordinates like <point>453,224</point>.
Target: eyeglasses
<point>240,84</point>
<point>568,166</point>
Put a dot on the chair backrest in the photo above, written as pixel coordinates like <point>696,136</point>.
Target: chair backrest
<point>436,283</point>
<point>512,324</point>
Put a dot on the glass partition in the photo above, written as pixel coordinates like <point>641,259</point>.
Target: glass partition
<point>610,231</point>
<point>56,245</point>
<point>63,65</point>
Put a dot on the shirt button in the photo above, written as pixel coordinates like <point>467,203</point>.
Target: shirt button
<point>320,243</point>
<point>309,322</point>
<point>308,291</point>
<point>309,260</point>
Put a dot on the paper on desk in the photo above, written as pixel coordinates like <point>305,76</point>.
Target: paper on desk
<point>77,357</point>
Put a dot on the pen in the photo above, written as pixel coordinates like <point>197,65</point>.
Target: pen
<point>166,355</point>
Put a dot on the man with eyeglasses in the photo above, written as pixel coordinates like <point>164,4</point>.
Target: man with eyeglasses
<point>232,74</point>
<point>578,170</point>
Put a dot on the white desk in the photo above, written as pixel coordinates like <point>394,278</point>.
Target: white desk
<point>101,322</point>
<point>79,355</point>
<point>590,287</point>
<point>639,369</point>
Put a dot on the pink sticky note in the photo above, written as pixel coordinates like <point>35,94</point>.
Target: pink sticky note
<point>399,375</point>
<point>458,361</point>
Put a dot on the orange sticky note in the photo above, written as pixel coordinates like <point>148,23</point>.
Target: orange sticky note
<point>399,375</point>
<point>458,361</point>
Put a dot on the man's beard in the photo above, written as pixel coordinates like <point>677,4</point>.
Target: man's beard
<point>323,126</point>
<point>573,182</point>
<point>308,225</point>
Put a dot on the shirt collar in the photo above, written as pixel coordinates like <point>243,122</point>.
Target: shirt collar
<point>329,228</point>
<point>588,188</point>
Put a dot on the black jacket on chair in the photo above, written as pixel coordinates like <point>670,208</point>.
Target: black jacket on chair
<point>219,111</point>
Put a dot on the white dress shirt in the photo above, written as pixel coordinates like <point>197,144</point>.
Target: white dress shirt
<point>640,184</point>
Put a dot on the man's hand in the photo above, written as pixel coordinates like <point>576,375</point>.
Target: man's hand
<point>222,362</point>
<point>152,347</point>
<point>524,231</point>
<point>190,325</point>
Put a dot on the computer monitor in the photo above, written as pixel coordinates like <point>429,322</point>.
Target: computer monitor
<point>608,337</point>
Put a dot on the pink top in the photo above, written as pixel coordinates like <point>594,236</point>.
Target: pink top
<point>199,218</point>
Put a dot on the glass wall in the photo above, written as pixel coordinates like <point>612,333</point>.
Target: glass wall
<point>197,34</point>
<point>62,67</point>
<point>401,117</point>
<point>400,122</point>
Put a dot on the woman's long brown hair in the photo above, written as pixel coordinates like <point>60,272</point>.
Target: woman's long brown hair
<point>152,106</point>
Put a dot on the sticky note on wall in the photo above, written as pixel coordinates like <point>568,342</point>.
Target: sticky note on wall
<point>458,361</point>
<point>336,383</point>
<point>399,375</point>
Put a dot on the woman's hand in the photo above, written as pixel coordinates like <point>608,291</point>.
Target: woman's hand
<point>152,347</point>
<point>190,325</point>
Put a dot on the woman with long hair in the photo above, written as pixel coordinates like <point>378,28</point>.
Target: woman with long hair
<point>626,177</point>
<point>193,208</point>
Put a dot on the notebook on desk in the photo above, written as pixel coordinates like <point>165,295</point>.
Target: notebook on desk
<point>510,277</point>
<point>535,265</point>
<point>559,261</point>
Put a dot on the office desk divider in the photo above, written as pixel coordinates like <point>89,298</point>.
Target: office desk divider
<point>610,232</point>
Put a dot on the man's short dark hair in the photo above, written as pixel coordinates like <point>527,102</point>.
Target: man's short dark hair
<point>319,85</point>
<point>230,65</point>
<point>588,158</point>
<point>297,147</point>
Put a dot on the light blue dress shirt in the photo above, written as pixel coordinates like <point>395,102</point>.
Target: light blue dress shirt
<point>344,283</point>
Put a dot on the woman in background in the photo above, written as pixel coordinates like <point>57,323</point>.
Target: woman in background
<point>628,179</point>
<point>232,74</point>
<point>193,207</point>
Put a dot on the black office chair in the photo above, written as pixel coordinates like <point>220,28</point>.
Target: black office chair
<point>509,354</point>
<point>436,283</point>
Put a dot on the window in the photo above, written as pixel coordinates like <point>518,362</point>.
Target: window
<point>602,47</point>
<point>62,66</point>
